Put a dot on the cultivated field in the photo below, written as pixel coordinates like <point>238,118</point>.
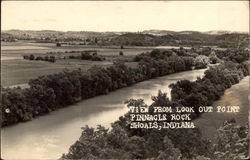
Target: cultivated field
<point>16,71</point>
<point>23,48</point>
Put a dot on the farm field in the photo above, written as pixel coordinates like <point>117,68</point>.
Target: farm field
<point>23,48</point>
<point>17,71</point>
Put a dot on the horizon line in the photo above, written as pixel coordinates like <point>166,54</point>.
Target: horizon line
<point>126,31</point>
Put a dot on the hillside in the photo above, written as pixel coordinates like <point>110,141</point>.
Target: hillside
<point>144,38</point>
<point>50,35</point>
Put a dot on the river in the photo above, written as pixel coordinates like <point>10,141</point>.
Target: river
<point>47,137</point>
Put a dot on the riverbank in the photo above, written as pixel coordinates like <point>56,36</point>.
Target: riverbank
<point>237,95</point>
<point>51,92</point>
<point>48,136</point>
<point>134,143</point>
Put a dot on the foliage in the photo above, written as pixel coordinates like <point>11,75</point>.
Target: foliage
<point>121,53</point>
<point>32,57</point>
<point>204,91</point>
<point>231,142</point>
<point>47,93</point>
<point>58,44</point>
<point>87,55</point>
<point>145,38</point>
<point>201,61</point>
<point>234,55</point>
<point>121,142</point>
<point>40,58</point>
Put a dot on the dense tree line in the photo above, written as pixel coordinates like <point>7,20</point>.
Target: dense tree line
<point>235,55</point>
<point>121,142</point>
<point>233,40</point>
<point>205,91</point>
<point>47,93</point>
<point>40,58</point>
<point>94,52</point>
<point>145,38</point>
<point>176,58</point>
<point>229,142</point>
<point>87,56</point>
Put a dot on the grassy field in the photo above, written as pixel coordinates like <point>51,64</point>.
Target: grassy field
<point>23,48</point>
<point>16,71</point>
<point>16,50</point>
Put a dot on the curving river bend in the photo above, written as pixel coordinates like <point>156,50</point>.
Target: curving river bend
<point>47,137</point>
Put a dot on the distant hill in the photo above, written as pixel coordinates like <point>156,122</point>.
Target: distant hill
<point>189,38</point>
<point>220,32</point>
<point>134,39</point>
<point>167,32</point>
<point>159,32</point>
<point>49,34</point>
<point>160,37</point>
<point>144,38</point>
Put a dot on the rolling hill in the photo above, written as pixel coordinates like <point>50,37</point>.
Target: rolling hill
<point>144,38</point>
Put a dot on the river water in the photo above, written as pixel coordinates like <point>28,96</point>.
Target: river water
<point>47,137</point>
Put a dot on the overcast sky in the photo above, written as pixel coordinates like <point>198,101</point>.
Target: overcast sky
<point>126,15</point>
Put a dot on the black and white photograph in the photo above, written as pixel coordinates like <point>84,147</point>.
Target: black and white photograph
<point>149,80</point>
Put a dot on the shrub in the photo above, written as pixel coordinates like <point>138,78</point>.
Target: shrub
<point>26,57</point>
<point>32,57</point>
<point>121,53</point>
<point>58,44</point>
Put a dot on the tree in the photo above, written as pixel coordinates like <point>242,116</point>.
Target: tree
<point>26,57</point>
<point>232,142</point>
<point>136,147</point>
<point>121,53</point>
<point>96,40</point>
<point>58,44</point>
<point>201,61</point>
<point>169,152</point>
<point>32,57</point>
<point>52,59</point>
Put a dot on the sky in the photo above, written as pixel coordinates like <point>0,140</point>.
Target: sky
<point>125,15</point>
